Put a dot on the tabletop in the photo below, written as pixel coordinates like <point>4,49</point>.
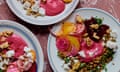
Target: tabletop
<point>42,32</point>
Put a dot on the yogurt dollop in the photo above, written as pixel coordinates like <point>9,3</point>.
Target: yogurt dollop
<point>91,52</point>
<point>53,7</point>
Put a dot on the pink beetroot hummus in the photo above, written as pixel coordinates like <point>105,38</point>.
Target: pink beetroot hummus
<point>53,7</point>
<point>17,57</point>
<point>17,44</point>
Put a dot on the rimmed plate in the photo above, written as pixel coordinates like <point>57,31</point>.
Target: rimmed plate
<point>17,8</point>
<point>56,62</point>
<point>29,38</point>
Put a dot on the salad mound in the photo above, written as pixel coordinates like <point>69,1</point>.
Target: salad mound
<point>15,55</point>
<point>86,45</point>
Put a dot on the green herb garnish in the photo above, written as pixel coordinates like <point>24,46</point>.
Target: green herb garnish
<point>66,59</point>
<point>99,20</point>
<point>82,65</point>
<point>1,70</point>
<point>104,67</point>
<point>60,55</point>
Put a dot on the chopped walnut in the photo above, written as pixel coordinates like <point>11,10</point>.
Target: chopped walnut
<point>79,19</point>
<point>4,55</point>
<point>71,70</point>
<point>108,31</point>
<point>85,35</point>
<point>88,41</point>
<point>75,65</point>
<point>1,33</point>
<point>10,32</point>
<point>4,45</point>
<point>31,1</point>
<point>6,33</point>
<point>30,12</point>
<point>2,39</point>
<point>94,26</point>
<point>95,35</point>
<point>37,14</point>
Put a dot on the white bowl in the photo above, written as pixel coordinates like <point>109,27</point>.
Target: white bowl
<point>29,38</point>
<point>56,62</point>
<point>17,9</point>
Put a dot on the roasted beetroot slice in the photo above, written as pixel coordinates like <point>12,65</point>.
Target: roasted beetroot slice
<point>87,23</point>
<point>93,20</point>
<point>90,34</point>
<point>103,28</point>
<point>90,21</point>
<point>100,31</point>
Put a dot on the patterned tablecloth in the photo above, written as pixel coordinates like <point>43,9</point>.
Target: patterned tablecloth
<point>41,32</point>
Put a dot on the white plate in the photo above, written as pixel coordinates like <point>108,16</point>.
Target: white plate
<point>17,8</point>
<point>29,38</point>
<point>56,62</point>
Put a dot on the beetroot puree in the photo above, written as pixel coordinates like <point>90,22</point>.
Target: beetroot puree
<point>14,68</point>
<point>53,7</point>
<point>92,51</point>
<point>17,44</point>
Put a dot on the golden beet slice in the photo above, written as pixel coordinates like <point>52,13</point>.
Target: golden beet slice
<point>68,27</point>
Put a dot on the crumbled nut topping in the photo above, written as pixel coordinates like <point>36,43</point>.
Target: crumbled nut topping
<point>88,41</point>
<point>35,14</point>
<point>2,39</point>
<point>94,26</point>
<point>71,70</point>
<point>4,55</point>
<point>31,7</point>
<point>95,35</point>
<point>75,65</point>
<point>85,35</point>
<point>1,33</point>
<point>79,19</point>
<point>108,31</point>
<point>6,33</point>
<point>30,1</point>
<point>4,45</point>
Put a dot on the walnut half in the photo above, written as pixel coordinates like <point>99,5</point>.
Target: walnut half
<point>4,45</point>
